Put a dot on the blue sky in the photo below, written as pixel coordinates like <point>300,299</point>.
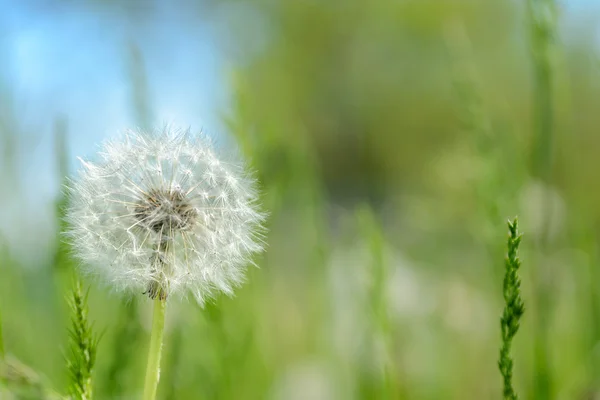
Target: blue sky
<point>72,61</point>
<point>68,59</point>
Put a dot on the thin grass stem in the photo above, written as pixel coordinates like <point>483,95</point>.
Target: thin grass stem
<point>2,351</point>
<point>513,309</point>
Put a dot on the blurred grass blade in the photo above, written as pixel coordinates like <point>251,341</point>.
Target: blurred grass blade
<point>543,26</point>
<point>123,350</point>
<point>22,380</point>
<point>62,259</point>
<point>543,20</point>
<point>2,351</point>
<point>373,235</point>
<point>60,147</point>
<point>140,87</point>
<point>172,364</point>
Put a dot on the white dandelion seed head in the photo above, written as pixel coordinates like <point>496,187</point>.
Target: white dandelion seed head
<point>164,214</point>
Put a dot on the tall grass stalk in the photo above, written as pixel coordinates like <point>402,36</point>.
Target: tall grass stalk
<point>513,309</point>
<point>542,23</point>
<point>2,351</point>
<point>542,20</point>
<point>373,236</point>
<point>83,347</point>
<point>154,353</point>
<point>124,346</point>
<point>594,307</point>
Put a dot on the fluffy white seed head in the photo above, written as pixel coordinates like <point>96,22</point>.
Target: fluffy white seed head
<point>162,213</point>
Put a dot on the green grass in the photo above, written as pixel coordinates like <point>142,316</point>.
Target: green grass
<point>2,351</point>
<point>391,141</point>
<point>513,310</point>
<point>83,345</point>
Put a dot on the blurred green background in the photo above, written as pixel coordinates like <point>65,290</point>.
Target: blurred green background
<point>392,140</point>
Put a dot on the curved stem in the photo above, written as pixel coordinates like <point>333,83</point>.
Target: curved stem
<point>153,366</point>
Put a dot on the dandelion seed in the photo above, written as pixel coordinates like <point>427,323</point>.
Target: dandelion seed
<point>163,214</point>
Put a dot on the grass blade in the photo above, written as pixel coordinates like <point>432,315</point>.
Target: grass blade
<point>513,309</point>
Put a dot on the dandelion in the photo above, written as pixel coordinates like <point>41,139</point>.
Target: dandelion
<point>163,214</point>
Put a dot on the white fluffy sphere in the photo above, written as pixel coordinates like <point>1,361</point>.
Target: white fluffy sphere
<point>162,213</point>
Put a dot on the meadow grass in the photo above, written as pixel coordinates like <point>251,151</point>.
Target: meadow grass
<point>389,154</point>
<point>513,310</point>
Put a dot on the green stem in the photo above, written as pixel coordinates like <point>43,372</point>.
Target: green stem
<point>2,353</point>
<point>543,24</point>
<point>153,367</point>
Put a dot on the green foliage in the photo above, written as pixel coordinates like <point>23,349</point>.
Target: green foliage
<point>513,309</point>
<point>2,351</point>
<point>84,344</point>
<point>442,131</point>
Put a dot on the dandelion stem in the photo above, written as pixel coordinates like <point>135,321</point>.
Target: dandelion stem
<point>153,367</point>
